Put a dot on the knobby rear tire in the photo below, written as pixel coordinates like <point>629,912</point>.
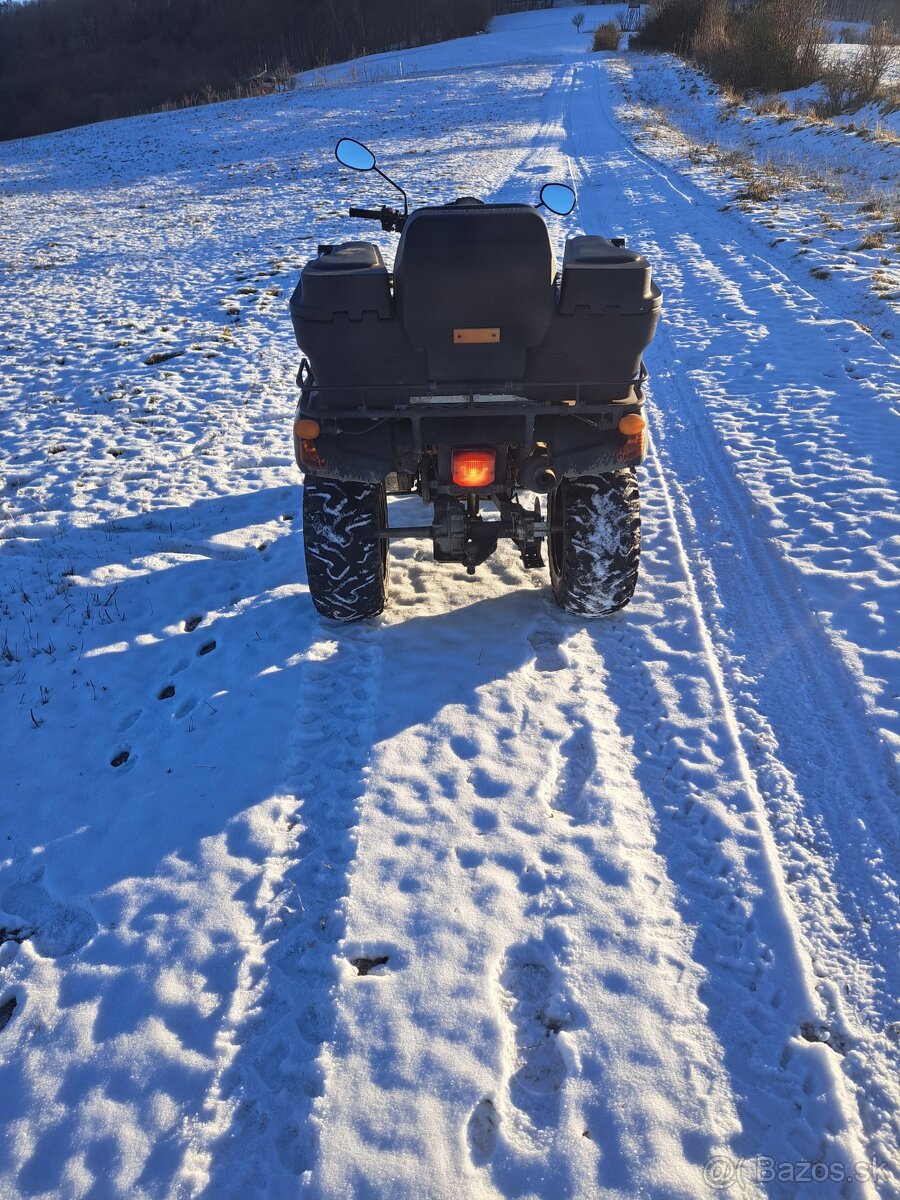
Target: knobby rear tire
<point>595,542</point>
<point>346,560</point>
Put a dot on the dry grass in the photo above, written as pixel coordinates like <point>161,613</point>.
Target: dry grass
<point>607,36</point>
<point>757,190</point>
<point>772,104</point>
<point>872,241</point>
<point>884,286</point>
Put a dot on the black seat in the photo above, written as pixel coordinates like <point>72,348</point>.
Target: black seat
<point>463,272</point>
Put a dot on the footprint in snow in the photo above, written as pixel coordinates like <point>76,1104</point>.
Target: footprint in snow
<point>7,1008</point>
<point>368,966</point>
<point>548,654</point>
<point>469,859</point>
<point>576,766</point>
<point>56,928</point>
<point>482,1132</point>
<point>537,1016</point>
<point>192,622</point>
<point>463,747</point>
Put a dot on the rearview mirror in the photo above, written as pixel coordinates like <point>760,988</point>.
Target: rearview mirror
<point>354,154</point>
<point>558,197</point>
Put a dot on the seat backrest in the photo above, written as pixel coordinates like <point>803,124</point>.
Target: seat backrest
<point>474,289</point>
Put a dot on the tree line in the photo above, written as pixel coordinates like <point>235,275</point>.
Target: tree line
<point>70,62</point>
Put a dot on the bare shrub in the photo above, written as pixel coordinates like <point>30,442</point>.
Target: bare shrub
<point>712,45</point>
<point>768,46</point>
<point>872,63</point>
<point>607,36</point>
<point>578,21</point>
<point>839,82</point>
<point>670,25</point>
<point>775,46</point>
<point>852,82</point>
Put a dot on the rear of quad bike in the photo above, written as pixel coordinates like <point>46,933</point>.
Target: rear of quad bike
<point>592,531</point>
<point>502,394</point>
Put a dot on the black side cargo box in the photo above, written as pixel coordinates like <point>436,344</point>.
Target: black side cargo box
<point>607,315</point>
<point>343,317</point>
<point>598,274</point>
<point>350,279</point>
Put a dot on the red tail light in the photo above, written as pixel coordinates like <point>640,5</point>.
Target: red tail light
<point>473,468</point>
<point>632,448</point>
<point>310,456</point>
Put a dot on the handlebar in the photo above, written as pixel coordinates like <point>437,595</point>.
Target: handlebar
<point>390,219</point>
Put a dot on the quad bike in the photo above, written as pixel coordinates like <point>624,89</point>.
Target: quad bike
<point>473,374</point>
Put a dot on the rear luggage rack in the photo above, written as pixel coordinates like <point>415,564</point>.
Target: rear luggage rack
<point>379,402</point>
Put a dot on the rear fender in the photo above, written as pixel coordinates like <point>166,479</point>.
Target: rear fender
<point>361,457</point>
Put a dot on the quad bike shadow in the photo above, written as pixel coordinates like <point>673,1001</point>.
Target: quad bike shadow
<point>473,375</point>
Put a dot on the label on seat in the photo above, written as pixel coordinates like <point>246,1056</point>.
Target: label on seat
<point>476,337</point>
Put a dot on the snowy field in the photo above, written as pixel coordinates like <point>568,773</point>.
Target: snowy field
<point>476,899</point>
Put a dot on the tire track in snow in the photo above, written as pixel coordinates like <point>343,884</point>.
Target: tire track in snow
<point>713,833</point>
<point>756,597</point>
<point>833,858</point>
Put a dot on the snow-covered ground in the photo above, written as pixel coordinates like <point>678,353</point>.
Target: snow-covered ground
<point>824,197</point>
<point>633,882</point>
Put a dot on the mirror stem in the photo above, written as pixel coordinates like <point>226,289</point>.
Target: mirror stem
<point>388,179</point>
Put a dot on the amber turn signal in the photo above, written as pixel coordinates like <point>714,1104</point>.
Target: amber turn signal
<point>632,424</point>
<point>473,468</point>
<point>307,429</point>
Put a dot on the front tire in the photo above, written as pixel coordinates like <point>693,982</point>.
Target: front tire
<point>595,542</point>
<point>346,559</point>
